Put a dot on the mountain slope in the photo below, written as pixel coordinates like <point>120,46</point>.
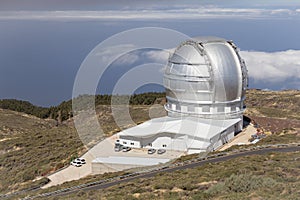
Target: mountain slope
<point>31,147</point>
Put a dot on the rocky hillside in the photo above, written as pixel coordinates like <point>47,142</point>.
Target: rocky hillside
<point>278,104</point>
<point>275,111</point>
<point>31,147</point>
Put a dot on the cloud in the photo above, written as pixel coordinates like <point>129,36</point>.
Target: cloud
<point>267,67</point>
<point>280,69</point>
<point>203,12</point>
<point>158,56</point>
<point>275,67</point>
<point>128,54</point>
<point>111,53</point>
<point>127,59</point>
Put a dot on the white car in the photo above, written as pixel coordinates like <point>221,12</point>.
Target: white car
<point>255,141</point>
<point>125,149</point>
<point>80,160</point>
<point>161,151</point>
<point>151,151</point>
<point>76,164</point>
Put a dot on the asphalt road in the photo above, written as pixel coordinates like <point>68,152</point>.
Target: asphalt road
<point>187,166</point>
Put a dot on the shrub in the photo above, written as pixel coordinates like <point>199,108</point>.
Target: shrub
<point>241,183</point>
<point>216,189</point>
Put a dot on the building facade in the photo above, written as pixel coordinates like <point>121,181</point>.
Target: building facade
<point>205,81</point>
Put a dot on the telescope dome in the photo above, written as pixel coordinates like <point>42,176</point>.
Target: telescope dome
<point>206,77</point>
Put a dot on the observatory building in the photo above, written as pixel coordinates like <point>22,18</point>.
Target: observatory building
<point>205,81</point>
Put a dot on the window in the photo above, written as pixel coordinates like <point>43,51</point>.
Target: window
<point>131,143</point>
<point>164,145</point>
<point>124,142</point>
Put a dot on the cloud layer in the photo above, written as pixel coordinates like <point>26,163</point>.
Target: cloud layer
<point>267,67</point>
<point>276,67</point>
<point>153,14</point>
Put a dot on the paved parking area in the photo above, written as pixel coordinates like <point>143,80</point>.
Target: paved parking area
<point>104,148</point>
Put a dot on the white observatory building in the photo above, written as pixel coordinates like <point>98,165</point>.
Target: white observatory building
<point>205,81</point>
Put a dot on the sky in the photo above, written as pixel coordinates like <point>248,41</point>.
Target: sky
<point>43,43</point>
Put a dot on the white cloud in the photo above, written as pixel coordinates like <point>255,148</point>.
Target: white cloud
<point>276,11</point>
<point>111,53</point>
<point>154,14</point>
<point>158,56</point>
<point>273,67</point>
<point>268,67</point>
<point>127,59</point>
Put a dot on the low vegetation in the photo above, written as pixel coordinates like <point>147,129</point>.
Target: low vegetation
<point>63,111</point>
<point>34,146</point>
<point>31,147</point>
<point>270,176</point>
<point>277,104</point>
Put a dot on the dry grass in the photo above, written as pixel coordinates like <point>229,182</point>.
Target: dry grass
<point>270,176</point>
<point>278,104</point>
<point>31,147</point>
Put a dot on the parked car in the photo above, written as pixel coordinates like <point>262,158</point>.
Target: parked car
<point>76,164</point>
<point>80,160</point>
<point>118,147</point>
<point>161,151</point>
<point>125,149</point>
<point>151,151</point>
<point>255,141</point>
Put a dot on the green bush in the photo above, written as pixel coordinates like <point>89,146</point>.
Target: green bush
<point>216,189</point>
<point>241,183</point>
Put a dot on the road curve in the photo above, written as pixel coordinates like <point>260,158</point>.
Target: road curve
<point>186,166</point>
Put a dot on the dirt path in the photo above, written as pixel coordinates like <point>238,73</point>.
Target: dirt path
<point>241,138</point>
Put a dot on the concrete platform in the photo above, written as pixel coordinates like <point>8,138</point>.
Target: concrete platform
<point>104,149</point>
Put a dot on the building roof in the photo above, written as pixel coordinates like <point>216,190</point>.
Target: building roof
<point>198,128</point>
<point>206,39</point>
<point>130,160</point>
<point>216,60</point>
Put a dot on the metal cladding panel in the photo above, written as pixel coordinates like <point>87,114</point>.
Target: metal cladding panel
<point>205,77</point>
<point>226,70</point>
<point>189,70</point>
<point>189,96</point>
<point>187,54</point>
<point>207,39</point>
